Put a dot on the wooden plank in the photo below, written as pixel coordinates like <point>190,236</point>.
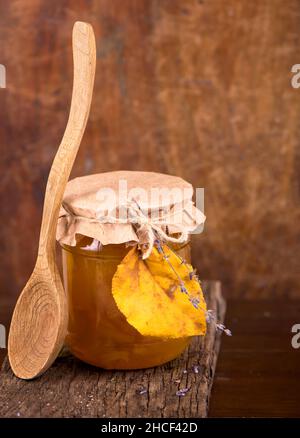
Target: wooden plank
<point>73,389</point>
<point>258,372</point>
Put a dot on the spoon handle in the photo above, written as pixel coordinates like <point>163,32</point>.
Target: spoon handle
<point>84,56</point>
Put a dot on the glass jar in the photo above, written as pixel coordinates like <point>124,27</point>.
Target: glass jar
<point>98,333</point>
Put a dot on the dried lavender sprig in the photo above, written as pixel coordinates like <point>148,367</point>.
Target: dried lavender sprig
<point>181,282</point>
<point>195,302</point>
<point>191,274</point>
<point>222,328</point>
<point>209,314</point>
<point>143,391</point>
<point>196,369</point>
<point>183,289</point>
<point>161,251</point>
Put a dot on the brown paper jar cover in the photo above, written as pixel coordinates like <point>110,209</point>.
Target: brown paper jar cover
<point>88,204</point>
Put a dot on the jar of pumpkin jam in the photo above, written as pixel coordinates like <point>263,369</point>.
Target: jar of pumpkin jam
<point>134,301</point>
<point>98,332</point>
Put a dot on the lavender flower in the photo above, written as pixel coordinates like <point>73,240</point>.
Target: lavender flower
<point>193,275</point>
<point>195,302</point>
<point>141,391</point>
<point>210,316</point>
<point>182,392</point>
<point>228,332</point>
<point>222,328</point>
<point>158,246</point>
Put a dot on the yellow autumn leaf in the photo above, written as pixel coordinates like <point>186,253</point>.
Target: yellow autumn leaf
<point>148,293</point>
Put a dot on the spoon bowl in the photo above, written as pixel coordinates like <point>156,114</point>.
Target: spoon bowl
<point>42,329</point>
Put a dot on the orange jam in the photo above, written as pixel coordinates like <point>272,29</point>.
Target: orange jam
<point>98,332</point>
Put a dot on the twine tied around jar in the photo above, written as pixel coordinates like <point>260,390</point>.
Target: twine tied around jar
<point>147,228</point>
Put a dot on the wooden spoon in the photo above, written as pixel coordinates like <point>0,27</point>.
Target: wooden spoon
<point>39,322</point>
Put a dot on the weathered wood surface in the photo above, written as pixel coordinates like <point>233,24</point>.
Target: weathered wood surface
<point>258,372</point>
<point>196,88</point>
<point>73,389</point>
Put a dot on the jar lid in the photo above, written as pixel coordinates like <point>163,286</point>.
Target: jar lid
<point>127,206</point>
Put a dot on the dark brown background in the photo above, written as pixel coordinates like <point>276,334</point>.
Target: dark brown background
<point>199,89</point>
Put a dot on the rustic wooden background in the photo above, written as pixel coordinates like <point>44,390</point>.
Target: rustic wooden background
<point>200,89</point>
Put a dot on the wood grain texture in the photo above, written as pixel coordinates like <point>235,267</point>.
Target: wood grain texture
<point>258,371</point>
<point>196,88</point>
<point>73,389</point>
<point>39,323</point>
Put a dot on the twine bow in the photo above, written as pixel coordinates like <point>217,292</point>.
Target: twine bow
<point>148,229</point>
